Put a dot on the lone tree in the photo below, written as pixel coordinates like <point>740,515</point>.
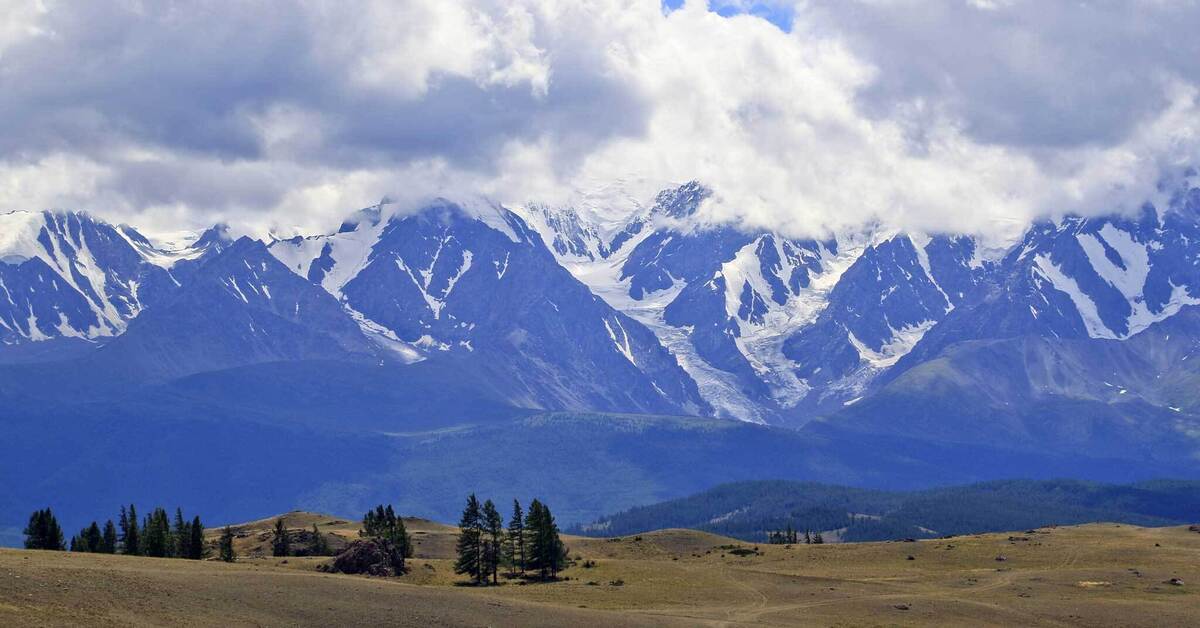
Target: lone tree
<point>281,543</point>
<point>493,544</point>
<point>547,554</point>
<point>470,542</point>
<point>514,549</point>
<point>43,532</point>
<point>226,551</point>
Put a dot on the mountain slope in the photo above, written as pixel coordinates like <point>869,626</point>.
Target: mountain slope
<point>67,275</point>
<point>771,328</point>
<point>1081,338</point>
<point>240,307</point>
<point>479,284</point>
<point>748,510</point>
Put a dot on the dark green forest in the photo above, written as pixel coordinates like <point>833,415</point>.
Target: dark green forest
<point>752,510</point>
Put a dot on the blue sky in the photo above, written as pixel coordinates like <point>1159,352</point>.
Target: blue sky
<point>778,13</point>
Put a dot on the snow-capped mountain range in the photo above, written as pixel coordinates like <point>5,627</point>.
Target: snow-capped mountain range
<point>614,303</point>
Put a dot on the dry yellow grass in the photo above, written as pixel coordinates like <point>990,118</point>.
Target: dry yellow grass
<point>1094,575</point>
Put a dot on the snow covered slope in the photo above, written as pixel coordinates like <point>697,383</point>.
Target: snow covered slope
<point>765,324</point>
<point>609,303</point>
<point>68,275</point>
<point>476,283</point>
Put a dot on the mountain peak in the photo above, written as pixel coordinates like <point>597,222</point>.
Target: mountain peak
<point>682,201</point>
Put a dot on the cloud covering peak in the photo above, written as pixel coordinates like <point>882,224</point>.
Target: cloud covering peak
<point>958,115</point>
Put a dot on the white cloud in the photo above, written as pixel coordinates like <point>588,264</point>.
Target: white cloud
<point>287,115</point>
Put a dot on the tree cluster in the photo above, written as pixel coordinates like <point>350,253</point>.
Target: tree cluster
<point>383,524</point>
<point>530,545</point>
<point>155,536</point>
<point>790,536</point>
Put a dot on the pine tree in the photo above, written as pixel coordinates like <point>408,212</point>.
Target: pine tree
<point>281,543</point>
<point>547,554</point>
<point>402,545</point>
<point>470,541</point>
<point>493,525</point>
<point>88,540</point>
<point>319,547</point>
<point>91,538</point>
<point>227,552</point>
<point>818,539</point>
<point>369,527</point>
<point>181,535</point>
<point>533,527</point>
<point>43,532</point>
<point>108,541</point>
<point>131,542</point>
<point>514,553</point>
<point>556,551</point>
<point>807,538</point>
<point>156,534</point>
<point>195,545</point>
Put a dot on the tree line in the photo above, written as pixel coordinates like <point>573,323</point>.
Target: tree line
<point>529,545</point>
<point>156,535</point>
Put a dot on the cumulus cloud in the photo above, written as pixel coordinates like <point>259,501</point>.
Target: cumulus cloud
<point>805,116</point>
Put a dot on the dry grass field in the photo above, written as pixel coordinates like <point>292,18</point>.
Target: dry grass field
<point>1092,575</point>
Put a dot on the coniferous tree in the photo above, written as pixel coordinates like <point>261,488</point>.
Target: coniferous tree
<point>181,535</point>
<point>370,524</point>
<point>131,542</point>
<point>108,542</point>
<point>43,532</point>
<point>470,542</point>
<point>320,546</point>
<point>88,539</point>
<point>556,551</point>
<point>91,539</point>
<point>493,526</point>
<point>818,539</point>
<point>402,545</point>
<point>195,545</point>
<point>515,548</point>
<point>547,554</point>
<point>807,538</point>
<point>227,552</point>
<point>124,522</point>
<point>156,534</point>
<point>281,543</point>
<point>533,527</point>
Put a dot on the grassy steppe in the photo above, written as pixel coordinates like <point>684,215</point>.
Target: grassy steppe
<point>1091,575</point>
